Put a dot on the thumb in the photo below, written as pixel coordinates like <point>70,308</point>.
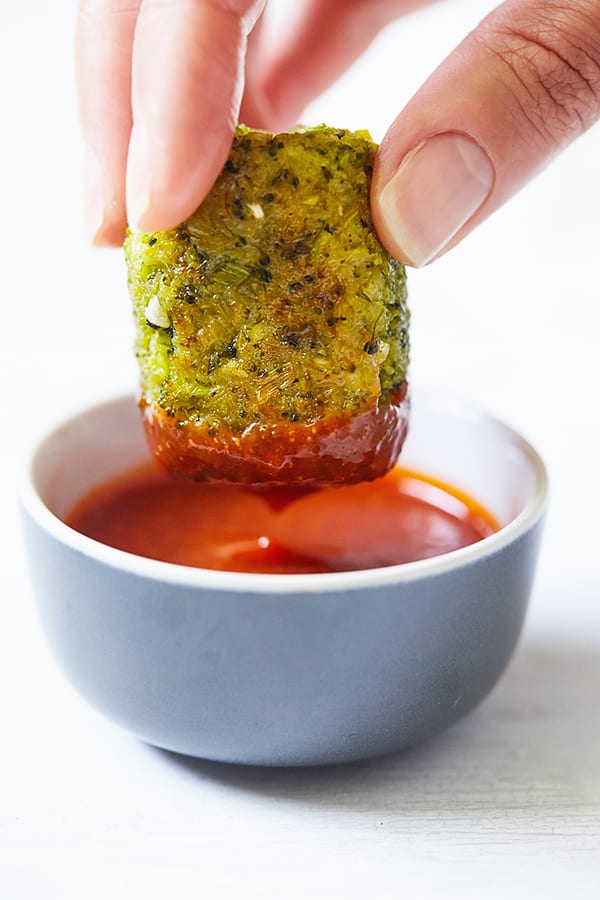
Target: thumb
<point>520,87</point>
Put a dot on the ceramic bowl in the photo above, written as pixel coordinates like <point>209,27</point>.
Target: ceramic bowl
<point>285,669</point>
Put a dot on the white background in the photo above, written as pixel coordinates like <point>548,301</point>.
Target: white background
<point>506,803</point>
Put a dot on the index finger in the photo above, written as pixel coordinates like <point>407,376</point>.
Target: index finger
<point>188,77</point>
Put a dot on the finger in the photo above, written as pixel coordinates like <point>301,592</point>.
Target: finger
<point>104,42</point>
<point>519,88</point>
<point>319,42</point>
<point>254,110</point>
<point>188,73</point>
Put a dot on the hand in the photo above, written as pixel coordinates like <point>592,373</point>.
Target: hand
<point>520,87</point>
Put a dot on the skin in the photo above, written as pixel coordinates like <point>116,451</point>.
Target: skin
<point>162,83</point>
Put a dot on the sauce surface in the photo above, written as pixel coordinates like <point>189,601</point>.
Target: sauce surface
<point>400,518</point>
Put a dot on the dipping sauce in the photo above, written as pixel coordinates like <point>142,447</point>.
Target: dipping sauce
<point>400,518</point>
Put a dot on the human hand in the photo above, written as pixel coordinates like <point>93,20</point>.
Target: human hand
<point>519,88</point>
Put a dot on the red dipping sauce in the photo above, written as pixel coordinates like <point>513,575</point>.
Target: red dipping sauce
<point>399,518</point>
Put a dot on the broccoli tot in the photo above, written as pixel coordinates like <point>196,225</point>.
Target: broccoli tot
<point>272,326</point>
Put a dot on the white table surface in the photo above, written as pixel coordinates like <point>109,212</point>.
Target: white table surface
<point>504,804</point>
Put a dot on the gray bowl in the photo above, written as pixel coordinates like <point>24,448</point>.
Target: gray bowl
<point>285,669</point>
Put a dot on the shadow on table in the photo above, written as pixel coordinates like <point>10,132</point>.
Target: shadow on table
<point>535,739</point>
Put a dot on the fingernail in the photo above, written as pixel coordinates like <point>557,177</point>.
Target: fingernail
<point>138,176</point>
<point>93,194</point>
<point>438,186</point>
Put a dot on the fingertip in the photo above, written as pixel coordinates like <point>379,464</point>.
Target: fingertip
<point>137,183</point>
<point>112,236</point>
<point>103,211</point>
<point>110,232</point>
<point>166,183</point>
<point>256,111</point>
<point>434,192</point>
<point>186,92</point>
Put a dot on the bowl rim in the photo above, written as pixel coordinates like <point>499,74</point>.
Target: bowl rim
<point>260,583</point>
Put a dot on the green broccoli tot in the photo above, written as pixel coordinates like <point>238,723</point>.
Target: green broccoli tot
<point>272,324</point>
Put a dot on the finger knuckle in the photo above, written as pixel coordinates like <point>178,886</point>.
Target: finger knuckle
<point>550,62</point>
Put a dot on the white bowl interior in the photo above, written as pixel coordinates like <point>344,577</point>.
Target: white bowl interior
<point>86,451</point>
<point>466,449</point>
<point>475,453</point>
